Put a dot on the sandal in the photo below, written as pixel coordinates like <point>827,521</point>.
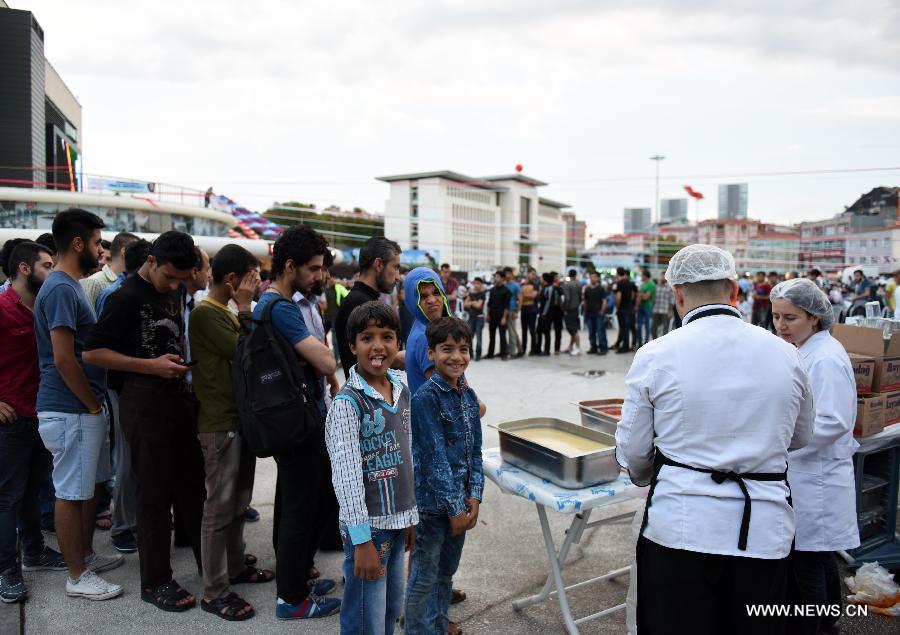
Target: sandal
<point>167,597</point>
<point>250,559</point>
<point>252,575</point>
<point>314,573</point>
<point>228,608</point>
<point>457,596</point>
<point>103,520</point>
<point>454,629</point>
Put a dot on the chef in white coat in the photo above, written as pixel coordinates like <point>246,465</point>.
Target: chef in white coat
<point>710,413</point>
<point>821,474</point>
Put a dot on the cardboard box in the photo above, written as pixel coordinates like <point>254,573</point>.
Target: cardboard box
<point>869,415</point>
<point>863,371</point>
<point>870,342</point>
<point>891,408</point>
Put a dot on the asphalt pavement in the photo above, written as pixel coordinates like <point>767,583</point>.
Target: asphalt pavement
<point>503,559</point>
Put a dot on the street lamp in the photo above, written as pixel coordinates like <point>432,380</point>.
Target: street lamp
<point>657,158</point>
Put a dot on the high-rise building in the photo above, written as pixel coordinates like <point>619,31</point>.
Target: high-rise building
<point>638,220</point>
<point>40,118</point>
<point>673,210</point>
<point>576,230</point>
<point>732,201</point>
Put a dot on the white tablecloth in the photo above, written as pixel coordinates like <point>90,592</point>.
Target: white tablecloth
<point>514,480</point>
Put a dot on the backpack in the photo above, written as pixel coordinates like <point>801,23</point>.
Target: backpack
<point>275,406</point>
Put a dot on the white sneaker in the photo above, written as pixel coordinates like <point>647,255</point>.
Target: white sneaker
<point>91,586</point>
<point>98,563</point>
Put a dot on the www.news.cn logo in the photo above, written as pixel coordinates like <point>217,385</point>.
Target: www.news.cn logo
<point>806,610</point>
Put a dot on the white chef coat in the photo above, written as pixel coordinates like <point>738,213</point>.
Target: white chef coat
<point>821,474</point>
<point>717,394</point>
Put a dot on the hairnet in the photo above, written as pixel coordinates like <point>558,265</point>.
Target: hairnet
<point>696,263</point>
<point>804,294</point>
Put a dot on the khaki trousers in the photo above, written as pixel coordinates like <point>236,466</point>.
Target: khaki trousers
<point>230,469</point>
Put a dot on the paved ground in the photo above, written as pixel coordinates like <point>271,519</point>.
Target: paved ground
<point>503,559</point>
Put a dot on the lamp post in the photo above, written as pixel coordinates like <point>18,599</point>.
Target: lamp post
<point>657,158</point>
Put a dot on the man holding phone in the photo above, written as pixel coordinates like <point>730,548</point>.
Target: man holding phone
<point>141,334</point>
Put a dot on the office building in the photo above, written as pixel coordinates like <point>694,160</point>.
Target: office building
<point>732,201</point>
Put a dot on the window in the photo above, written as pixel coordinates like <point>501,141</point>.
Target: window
<point>863,243</point>
<point>524,217</point>
<point>852,260</point>
<point>886,242</point>
<point>414,210</point>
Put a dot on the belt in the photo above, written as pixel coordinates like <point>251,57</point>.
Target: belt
<point>719,476</point>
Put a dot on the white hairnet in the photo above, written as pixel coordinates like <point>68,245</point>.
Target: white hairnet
<point>696,263</point>
<point>804,294</point>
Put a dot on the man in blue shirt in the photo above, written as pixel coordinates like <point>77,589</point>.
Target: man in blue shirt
<point>514,344</point>
<point>71,419</point>
<point>304,472</point>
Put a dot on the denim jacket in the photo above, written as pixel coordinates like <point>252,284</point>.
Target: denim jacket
<point>446,446</point>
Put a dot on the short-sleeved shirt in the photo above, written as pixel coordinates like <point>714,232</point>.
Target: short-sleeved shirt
<point>450,286</point>
<point>19,370</point>
<point>593,299</point>
<point>61,303</point>
<point>139,321</point>
<point>648,287</point>
<point>627,289</point>
<point>514,290</point>
<point>865,286</point>
<point>571,291</point>
<point>762,290</point>
<point>476,296</point>
<point>287,320</point>
<point>530,305</point>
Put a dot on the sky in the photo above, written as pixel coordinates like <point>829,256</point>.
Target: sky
<point>294,100</point>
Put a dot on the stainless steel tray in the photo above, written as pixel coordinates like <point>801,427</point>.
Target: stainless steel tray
<point>594,418</point>
<point>565,471</point>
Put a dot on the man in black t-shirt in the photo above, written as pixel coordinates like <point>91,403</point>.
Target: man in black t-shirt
<point>474,305</point>
<point>625,306</point>
<point>379,271</point>
<point>531,290</point>
<point>141,335</point>
<point>594,314</point>
<point>498,312</point>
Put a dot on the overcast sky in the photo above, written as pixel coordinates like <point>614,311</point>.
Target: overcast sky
<point>278,100</point>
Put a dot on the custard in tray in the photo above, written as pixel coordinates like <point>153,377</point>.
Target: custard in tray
<point>566,443</point>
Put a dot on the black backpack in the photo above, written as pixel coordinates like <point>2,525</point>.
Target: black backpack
<point>275,406</point>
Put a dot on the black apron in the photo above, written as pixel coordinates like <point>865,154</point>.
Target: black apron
<point>718,476</point>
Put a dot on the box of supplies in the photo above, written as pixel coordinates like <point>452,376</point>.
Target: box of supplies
<point>869,415</point>
<point>870,342</point>
<point>891,408</point>
<point>863,371</point>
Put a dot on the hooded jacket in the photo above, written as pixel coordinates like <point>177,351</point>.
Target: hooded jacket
<point>417,362</point>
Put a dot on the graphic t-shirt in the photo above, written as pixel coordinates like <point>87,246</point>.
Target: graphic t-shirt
<point>62,303</point>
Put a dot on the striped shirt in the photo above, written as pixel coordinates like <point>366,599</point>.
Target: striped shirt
<point>342,437</point>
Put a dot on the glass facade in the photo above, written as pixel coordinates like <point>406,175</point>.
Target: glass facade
<point>20,215</point>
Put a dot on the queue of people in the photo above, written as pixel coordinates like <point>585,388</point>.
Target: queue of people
<point>144,347</point>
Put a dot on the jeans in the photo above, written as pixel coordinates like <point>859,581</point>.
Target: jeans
<point>494,325</point>
<point>159,422</point>
<point>373,607</point>
<point>477,326</point>
<point>660,324</point>
<point>643,324</point>
<point>816,582</point>
<point>760,316</point>
<point>625,322</point>
<point>596,331</point>
<point>435,560</point>
<point>303,480</point>
<point>556,317</point>
<point>230,469</point>
<point>529,327</point>
<point>24,468</point>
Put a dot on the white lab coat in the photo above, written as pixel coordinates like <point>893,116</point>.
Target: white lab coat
<point>821,474</point>
<point>718,394</point>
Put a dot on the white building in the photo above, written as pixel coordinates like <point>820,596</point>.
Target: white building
<point>476,224</point>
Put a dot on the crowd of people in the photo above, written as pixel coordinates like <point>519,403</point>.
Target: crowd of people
<point>118,383</point>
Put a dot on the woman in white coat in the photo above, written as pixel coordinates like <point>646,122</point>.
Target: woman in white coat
<point>821,474</point>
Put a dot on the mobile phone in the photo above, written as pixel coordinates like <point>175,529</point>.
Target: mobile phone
<point>193,362</point>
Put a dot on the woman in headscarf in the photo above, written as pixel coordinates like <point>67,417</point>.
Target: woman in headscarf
<point>821,474</point>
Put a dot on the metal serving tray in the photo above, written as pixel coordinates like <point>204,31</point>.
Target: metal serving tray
<point>593,417</point>
<point>565,471</point>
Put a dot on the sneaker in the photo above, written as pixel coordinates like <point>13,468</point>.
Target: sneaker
<point>310,608</point>
<point>98,563</point>
<point>125,542</point>
<point>12,587</point>
<point>91,586</point>
<point>251,515</point>
<point>322,586</point>
<point>47,560</point>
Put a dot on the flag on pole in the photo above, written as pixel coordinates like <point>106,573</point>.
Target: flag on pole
<point>692,192</point>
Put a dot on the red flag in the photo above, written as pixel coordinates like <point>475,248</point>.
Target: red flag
<point>692,192</point>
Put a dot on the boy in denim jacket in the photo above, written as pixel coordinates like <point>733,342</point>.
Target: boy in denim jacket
<point>449,479</point>
<point>368,438</point>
